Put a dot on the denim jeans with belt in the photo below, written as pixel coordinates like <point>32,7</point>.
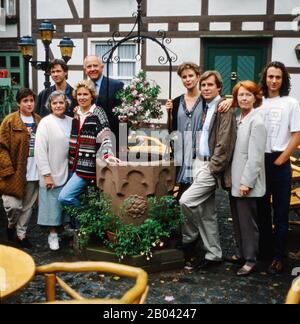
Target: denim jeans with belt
<point>279,181</point>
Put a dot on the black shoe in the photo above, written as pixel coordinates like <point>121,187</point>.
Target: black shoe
<point>205,264</point>
<point>25,243</point>
<point>10,232</point>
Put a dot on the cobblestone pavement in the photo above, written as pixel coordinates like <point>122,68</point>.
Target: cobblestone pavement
<point>218,285</point>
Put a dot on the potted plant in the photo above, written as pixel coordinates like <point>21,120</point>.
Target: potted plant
<point>96,219</point>
<point>140,102</point>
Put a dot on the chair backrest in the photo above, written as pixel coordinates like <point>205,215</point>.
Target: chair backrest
<point>136,295</point>
<point>293,296</point>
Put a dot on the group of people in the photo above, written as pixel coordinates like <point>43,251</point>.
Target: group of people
<point>48,150</point>
<point>247,155</point>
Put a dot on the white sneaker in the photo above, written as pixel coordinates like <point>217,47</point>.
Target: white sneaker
<point>53,241</point>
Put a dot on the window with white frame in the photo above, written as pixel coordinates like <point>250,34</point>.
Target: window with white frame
<point>127,67</point>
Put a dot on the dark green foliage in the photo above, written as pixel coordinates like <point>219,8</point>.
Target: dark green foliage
<point>96,218</point>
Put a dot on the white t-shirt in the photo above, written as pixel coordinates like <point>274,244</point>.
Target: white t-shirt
<point>32,171</point>
<point>282,118</point>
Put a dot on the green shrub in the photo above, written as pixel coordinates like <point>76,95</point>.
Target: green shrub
<point>96,218</point>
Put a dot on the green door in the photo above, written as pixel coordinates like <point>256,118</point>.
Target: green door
<point>236,61</point>
<point>13,62</point>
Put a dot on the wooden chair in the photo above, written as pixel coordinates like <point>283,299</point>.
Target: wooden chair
<point>295,200</point>
<point>293,296</point>
<point>295,173</point>
<point>136,295</point>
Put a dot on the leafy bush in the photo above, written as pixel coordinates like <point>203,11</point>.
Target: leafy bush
<point>96,218</point>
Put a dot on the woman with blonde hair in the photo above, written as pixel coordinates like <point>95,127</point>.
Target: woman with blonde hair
<point>248,174</point>
<point>90,138</point>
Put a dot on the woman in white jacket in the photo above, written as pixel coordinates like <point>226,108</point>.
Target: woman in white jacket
<point>248,174</point>
<point>51,147</point>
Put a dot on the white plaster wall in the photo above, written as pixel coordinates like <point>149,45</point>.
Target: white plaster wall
<point>79,4</point>
<point>286,25</point>
<point>112,8</point>
<point>288,55</point>
<point>25,17</point>
<point>186,49</point>
<point>286,6</point>
<point>100,28</point>
<point>53,9</point>
<point>220,26</point>
<point>188,26</point>
<point>237,7</point>
<point>162,79</point>
<point>73,28</point>
<point>11,32</point>
<point>295,80</point>
<point>75,77</point>
<point>127,27</point>
<point>253,25</point>
<point>157,27</point>
<point>174,7</point>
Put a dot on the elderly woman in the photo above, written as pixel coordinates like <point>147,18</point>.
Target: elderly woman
<point>51,147</point>
<point>248,174</point>
<point>18,170</point>
<point>90,137</point>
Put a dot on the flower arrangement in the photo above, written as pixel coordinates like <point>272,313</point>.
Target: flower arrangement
<point>139,101</point>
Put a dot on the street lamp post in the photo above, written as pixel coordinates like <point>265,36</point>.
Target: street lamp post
<point>27,43</point>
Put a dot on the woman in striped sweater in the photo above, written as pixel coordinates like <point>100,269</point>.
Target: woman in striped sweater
<point>90,138</point>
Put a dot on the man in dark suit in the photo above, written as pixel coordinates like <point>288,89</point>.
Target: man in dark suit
<point>107,89</point>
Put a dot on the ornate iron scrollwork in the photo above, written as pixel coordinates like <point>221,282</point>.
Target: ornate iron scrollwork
<point>139,37</point>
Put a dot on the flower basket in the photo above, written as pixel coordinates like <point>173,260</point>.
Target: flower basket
<point>139,102</point>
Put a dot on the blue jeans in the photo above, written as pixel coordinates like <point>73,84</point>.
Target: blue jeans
<point>72,190</point>
<point>279,187</point>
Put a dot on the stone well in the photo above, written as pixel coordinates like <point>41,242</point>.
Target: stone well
<point>135,182</point>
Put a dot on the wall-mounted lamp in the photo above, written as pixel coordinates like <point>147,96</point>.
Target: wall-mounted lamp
<point>297,50</point>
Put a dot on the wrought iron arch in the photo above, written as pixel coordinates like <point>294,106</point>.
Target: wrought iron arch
<point>139,38</point>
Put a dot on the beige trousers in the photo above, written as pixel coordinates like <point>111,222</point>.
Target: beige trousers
<point>199,207</point>
<point>19,210</point>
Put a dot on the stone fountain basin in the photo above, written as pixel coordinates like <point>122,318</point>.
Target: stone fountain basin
<point>135,180</point>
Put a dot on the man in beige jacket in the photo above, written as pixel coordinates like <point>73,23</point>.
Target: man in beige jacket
<point>211,169</point>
